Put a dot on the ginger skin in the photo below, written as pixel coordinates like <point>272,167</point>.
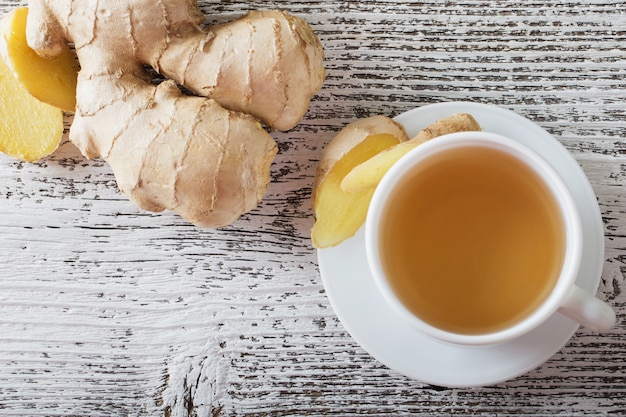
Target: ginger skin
<point>168,150</point>
<point>279,97</point>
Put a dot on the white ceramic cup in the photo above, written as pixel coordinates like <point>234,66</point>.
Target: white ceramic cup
<point>565,297</point>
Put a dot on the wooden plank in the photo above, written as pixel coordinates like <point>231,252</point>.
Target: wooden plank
<point>106,310</point>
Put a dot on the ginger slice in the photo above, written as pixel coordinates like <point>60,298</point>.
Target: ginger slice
<point>367,175</point>
<point>338,215</point>
<point>29,129</point>
<point>51,80</point>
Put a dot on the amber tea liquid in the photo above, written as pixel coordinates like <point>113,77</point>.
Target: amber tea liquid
<point>472,241</point>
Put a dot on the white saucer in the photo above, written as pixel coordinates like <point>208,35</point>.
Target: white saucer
<point>377,328</point>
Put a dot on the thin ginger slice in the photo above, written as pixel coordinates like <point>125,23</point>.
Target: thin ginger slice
<point>367,175</point>
<point>51,80</point>
<point>338,215</point>
<point>29,129</point>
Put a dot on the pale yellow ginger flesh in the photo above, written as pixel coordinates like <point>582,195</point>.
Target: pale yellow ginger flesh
<point>51,80</point>
<point>367,175</point>
<point>201,157</point>
<point>339,215</point>
<point>29,129</point>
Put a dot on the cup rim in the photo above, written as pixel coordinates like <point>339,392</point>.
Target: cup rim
<point>567,207</point>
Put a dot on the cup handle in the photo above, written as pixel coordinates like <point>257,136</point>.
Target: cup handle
<point>591,312</point>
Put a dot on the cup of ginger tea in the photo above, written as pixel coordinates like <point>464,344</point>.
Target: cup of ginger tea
<point>475,239</point>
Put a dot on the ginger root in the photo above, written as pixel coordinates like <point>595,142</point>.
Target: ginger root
<point>29,129</point>
<point>200,157</point>
<point>338,215</point>
<point>273,82</point>
<point>367,175</point>
<point>51,80</point>
<point>266,64</point>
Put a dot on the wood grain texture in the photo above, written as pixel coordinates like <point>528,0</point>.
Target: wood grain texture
<point>106,310</point>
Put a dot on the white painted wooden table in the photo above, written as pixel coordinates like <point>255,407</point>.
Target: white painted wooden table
<point>106,310</point>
